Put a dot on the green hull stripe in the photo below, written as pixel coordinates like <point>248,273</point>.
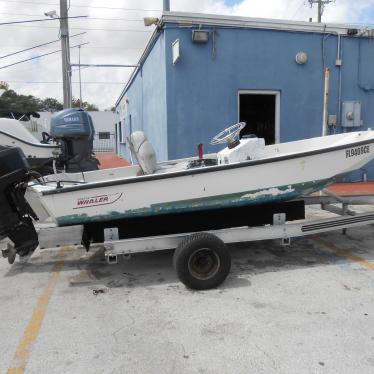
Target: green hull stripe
<point>268,195</point>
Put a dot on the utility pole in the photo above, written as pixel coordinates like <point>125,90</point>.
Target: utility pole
<point>319,11</point>
<point>166,7</point>
<point>80,79</point>
<point>65,48</point>
<point>321,6</point>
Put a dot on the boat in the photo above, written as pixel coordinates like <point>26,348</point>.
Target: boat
<point>68,146</point>
<point>14,133</point>
<point>245,172</point>
<point>244,184</point>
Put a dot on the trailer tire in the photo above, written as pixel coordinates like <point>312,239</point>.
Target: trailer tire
<point>202,261</point>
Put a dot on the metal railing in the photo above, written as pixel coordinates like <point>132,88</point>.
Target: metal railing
<point>105,144</point>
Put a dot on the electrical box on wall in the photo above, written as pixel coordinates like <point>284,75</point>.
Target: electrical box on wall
<point>351,114</point>
<point>331,121</point>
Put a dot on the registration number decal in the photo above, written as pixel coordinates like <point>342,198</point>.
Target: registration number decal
<point>358,151</point>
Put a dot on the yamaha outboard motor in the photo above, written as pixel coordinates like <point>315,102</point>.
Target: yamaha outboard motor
<point>15,213</point>
<point>74,131</point>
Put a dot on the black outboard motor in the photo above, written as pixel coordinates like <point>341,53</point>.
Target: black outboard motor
<point>74,131</point>
<point>15,212</point>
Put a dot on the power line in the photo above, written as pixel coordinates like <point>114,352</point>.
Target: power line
<point>38,20</point>
<point>20,14</point>
<point>35,57</point>
<point>80,28</point>
<point>115,19</point>
<point>30,69</point>
<point>298,8</point>
<point>37,46</point>
<point>82,6</point>
<point>89,47</point>
<point>87,17</point>
<point>107,65</point>
<point>115,48</point>
<point>60,82</point>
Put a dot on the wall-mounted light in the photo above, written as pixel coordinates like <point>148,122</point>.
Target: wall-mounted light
<point>301,58</point>
<point>200,36</point>
<point>149,21</point>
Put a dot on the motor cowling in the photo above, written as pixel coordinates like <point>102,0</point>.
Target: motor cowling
<point>73,129</point>
<point>15,213</point>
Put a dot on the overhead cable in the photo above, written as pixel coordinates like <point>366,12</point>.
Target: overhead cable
<point>39,45</point>
<point>39,20</point>
<point>88,17</point>
<point>81,6</point>
<point>35,57</point>
<point>80,28</point>
<point>60,82</point>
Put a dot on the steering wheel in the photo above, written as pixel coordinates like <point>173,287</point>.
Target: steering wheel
<point>230,135</point>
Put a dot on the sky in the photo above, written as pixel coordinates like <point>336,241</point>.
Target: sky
<point>115,34</point>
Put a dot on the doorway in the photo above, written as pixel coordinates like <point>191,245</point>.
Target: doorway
<point>260,110</point>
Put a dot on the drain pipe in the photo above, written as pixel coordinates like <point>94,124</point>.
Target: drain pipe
<point>326,102</point>
<point>339,61</point>
<point>166,6</point>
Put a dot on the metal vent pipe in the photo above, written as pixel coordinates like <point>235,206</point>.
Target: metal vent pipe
<point>166,7</point>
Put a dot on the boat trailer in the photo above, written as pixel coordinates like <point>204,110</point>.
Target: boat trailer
<point>202,259</point>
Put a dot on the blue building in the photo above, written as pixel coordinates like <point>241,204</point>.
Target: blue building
<point>200,73</point>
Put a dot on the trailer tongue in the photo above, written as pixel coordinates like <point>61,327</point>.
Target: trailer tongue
<point>16,214</point>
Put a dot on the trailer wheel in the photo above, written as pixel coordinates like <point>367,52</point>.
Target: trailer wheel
<point>202,261</point>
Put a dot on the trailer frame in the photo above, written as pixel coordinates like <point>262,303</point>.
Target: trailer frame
<point>280,229</point>
<point>199,251</point>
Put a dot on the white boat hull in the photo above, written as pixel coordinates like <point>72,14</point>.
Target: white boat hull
<point>279,176</point>
<point>14,134</point>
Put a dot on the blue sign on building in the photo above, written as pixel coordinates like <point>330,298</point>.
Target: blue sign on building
<point>201,73</point>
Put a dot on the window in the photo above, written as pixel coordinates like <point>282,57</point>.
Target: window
<point>104,135</point>
<point>119,132</point>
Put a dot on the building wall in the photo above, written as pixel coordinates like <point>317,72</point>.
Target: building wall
<point>143,107</point>
<point>202,92</point>
<point>181,105</point>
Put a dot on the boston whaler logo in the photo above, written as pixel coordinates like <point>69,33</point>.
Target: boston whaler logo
<point>86,202</point>
<point>358,151</point>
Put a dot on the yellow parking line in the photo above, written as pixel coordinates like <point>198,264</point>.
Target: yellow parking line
<point>33,328</point>
<point>343,252</point>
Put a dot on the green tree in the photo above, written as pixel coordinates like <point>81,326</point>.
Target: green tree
<point>52,105</point>
<point>10,100</point>
<point>76,103</point>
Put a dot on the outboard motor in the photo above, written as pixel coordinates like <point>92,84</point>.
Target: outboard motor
<point>73,130</point>
<point>15,213</point>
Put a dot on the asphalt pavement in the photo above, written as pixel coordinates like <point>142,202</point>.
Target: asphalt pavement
<point>306,308</point>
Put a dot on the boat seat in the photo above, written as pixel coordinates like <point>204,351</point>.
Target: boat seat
<point>146,156</point>
<point>144,152</point>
